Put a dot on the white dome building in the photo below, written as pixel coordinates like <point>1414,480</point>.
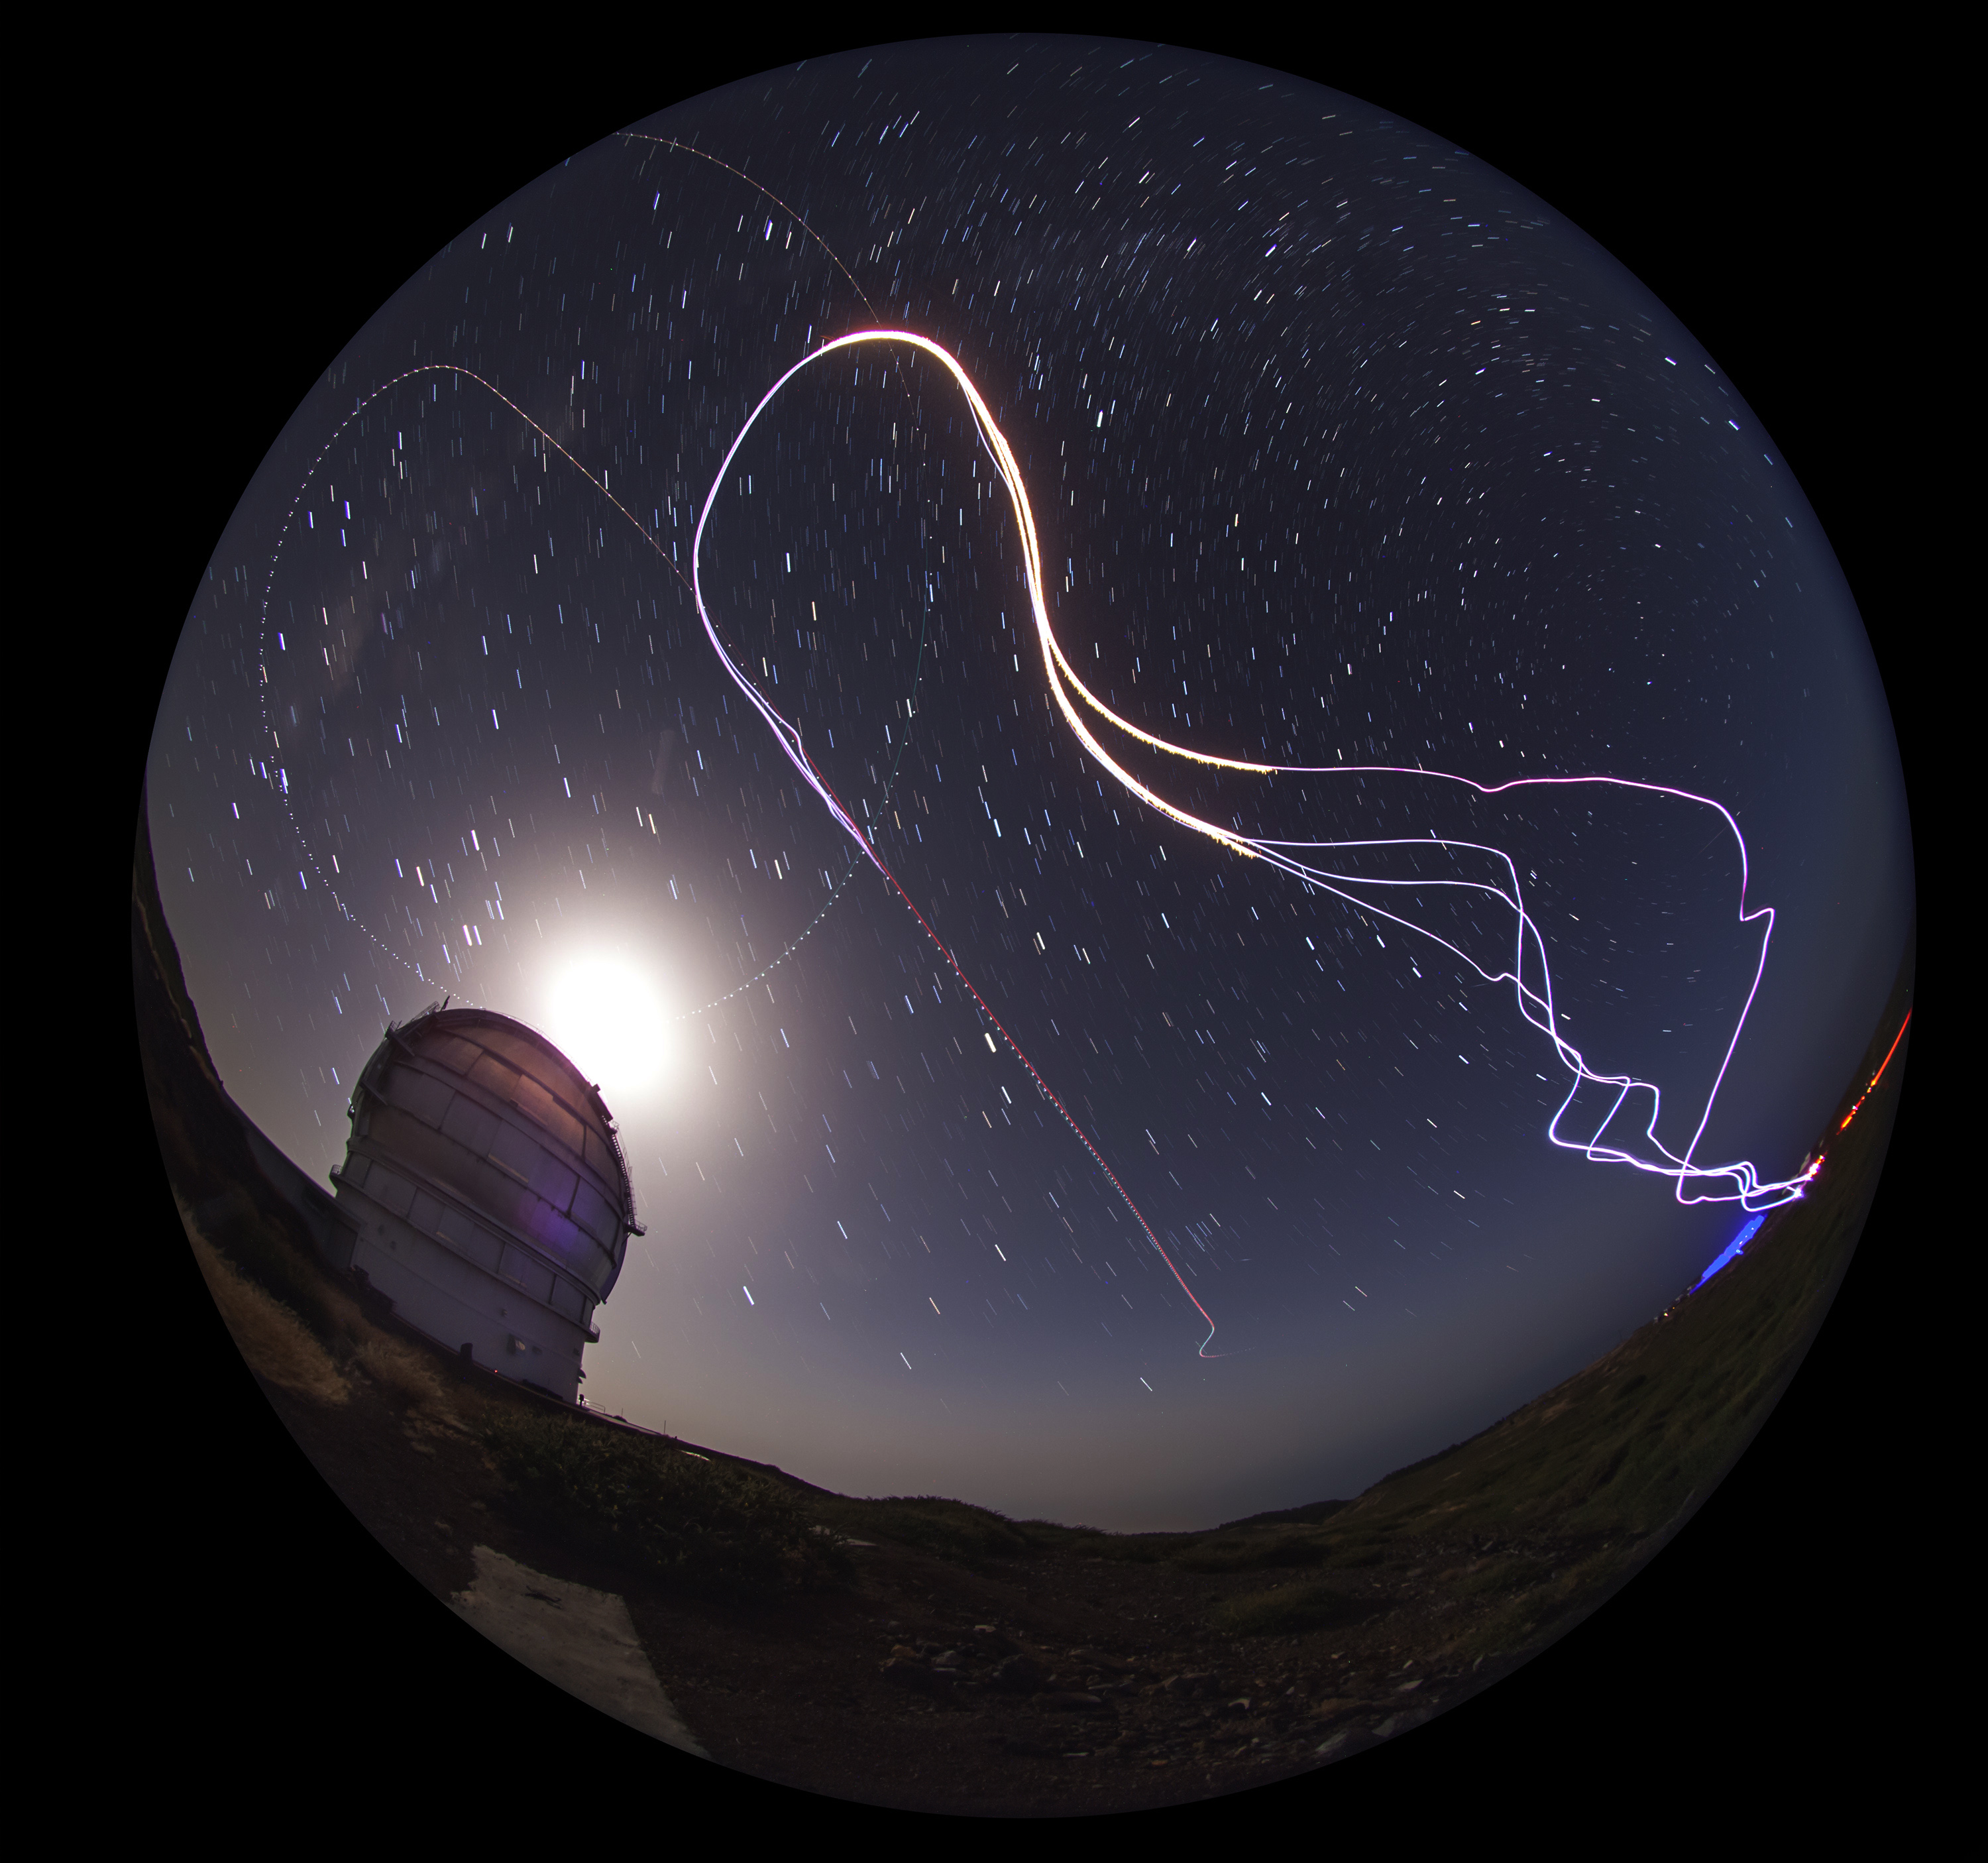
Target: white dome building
<point>489,1196</point>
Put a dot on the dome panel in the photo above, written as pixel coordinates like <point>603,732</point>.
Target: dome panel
<point>529,1274</point>
<point>554,1182</point>
<point>470,1126</point>
<point>452,1051</point>
<point>469,1238</point>
<point>534,1100</point>
<point>500,1076</point>
<point>388,1188</point>
<point>418,1149</point>
<point>591,1213</point>
<point>602,1158</point>
<point>530,1055</point>
<point>421,1094</point>
<point>515,1154</point>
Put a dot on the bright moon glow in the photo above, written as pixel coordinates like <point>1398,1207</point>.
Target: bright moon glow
<point>608,1022</point>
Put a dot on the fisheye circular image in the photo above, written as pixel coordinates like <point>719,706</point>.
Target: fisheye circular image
<point>1022,926</point>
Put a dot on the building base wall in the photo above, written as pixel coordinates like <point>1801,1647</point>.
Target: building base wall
<point>456,1304</point>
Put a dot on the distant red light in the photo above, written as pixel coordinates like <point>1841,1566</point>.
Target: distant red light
<point>1880,1074</point>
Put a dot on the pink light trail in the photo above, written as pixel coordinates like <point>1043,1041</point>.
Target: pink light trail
<point>1536,1001</point>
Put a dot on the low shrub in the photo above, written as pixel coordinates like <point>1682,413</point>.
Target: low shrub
<point>1255,1551</point>
<point>1313,1513</point>
<point>409,1374</point>
<point>1142,1549</point>
<point>1499,1577</point>
<point>268,1334</point>
<point>708,1525</point>
<point>1291,1609</point>
<point>950,1530</point>
<point>1052,1536</point>
<point>257,1248</point>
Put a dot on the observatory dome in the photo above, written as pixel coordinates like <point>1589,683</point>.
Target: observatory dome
<point>488,1191</point>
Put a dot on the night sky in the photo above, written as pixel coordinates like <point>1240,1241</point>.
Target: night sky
<point>1341,448</point>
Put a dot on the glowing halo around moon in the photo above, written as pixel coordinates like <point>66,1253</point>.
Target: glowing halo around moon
<point>604,1013</point>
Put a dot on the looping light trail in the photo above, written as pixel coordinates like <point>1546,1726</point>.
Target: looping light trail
<point>1536,1001</point>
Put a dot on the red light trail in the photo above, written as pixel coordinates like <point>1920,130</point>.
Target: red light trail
<point>1880,1074</point>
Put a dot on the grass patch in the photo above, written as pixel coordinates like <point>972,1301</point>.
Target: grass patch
<point>1291,1609</point>
<point>269,1335</point>
<point>396,1366</point>
<point>1511,1628</point>
<point>955,1530</point>
<point>1142,1549</point>
<point>1255,1549</point>
<point>286,1347</point>
<point>257,1250</point>
<point>1501,1576</point>
<point>709,1526</point>
<point>1052,1536</point>
<point>1313,1513</point>
<point>1528,1599</point>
